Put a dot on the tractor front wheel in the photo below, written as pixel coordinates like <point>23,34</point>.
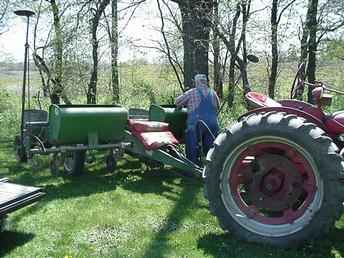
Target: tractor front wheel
<point>274,179</point>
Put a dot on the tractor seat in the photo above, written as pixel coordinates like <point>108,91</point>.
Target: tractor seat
<point>259,100</point>
<point>152,134</point>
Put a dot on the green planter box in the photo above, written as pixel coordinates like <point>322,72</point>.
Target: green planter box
<point>86,124</point>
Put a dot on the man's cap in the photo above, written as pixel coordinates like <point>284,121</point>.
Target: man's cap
<point>199,77</point>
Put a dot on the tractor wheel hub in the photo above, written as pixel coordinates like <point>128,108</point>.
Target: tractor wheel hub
<point>276,185</point>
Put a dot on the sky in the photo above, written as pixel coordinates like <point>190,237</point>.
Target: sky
<point>139,29</point>
<point>13,40</point>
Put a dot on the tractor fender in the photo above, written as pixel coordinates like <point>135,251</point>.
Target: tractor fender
<point>289,110</point>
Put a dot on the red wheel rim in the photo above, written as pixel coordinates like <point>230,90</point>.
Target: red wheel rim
<point>272,183</point>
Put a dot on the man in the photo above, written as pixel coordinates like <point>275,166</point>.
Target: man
<point>202,104</point>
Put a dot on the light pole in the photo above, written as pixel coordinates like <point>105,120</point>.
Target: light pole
<point>27,14</point>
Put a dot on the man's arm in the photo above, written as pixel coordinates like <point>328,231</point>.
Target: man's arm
<point>182,100</point>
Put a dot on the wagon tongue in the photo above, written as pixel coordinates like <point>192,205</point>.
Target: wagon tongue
<point>276,185</point>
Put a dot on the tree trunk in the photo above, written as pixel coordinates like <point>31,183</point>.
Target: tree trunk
<point>189,47</point>
<point>114,52</point>
<point>218,82</point>
<point>312,46</point>
<point>196,16</point>
<point>274,49</point>
<point>92,86</point>
<point>245,6</point>
<point>58,55</point>
<point>232,49</point>
<point>304,44</point>
<point>201,39</point>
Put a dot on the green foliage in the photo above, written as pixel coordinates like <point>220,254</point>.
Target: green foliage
<point>143,93</point>
<point>5,103</point>
<point>334,50</point>
<point>139,94</point>
<point>9,114</point>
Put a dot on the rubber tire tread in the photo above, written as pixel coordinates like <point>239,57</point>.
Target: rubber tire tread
<point>311,138</point>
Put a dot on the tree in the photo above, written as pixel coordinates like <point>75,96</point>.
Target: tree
<point>218,80</point>
<point>173,63</point>
<point>322,18</point>
<point>53,73</point>
<point>275,21</point>
<point>246,7</point>
<point>112,31</point>
<point>58,53</point>
<point>196,25</point>
<point>92,86</point>
<point>114,52</point>
<point>233,48</point>
<point>4,6</point>
<point>235,42</point>
<point>312,27</point>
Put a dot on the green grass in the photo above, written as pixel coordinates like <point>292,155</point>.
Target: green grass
<point>134,212</point>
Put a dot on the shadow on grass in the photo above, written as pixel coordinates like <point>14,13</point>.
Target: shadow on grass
<point>225,245</point>
<point>81,186</point>
<point>11,240</point>
<point>158,181</point>
<point>159,245</point>
<point>130,175</point>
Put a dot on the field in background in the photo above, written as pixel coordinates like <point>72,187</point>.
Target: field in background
<point>136,211</point>
<point>143,84</point>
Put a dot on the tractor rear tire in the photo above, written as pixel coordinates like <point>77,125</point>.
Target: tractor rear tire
<point>273,178</point>
<point>74,163</point>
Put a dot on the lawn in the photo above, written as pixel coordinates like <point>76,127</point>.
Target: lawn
<point>134,212</point>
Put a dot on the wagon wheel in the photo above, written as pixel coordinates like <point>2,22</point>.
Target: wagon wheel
<point>68,164</point>
<point>273,179</point>
<point>55,164</point>
<point>111,163</point>
<point>74,163</point>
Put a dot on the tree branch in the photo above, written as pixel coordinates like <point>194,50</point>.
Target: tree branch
<point>283,10</point>
<point>168,47</point>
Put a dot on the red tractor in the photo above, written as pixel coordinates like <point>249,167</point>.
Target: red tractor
<point>274,177</point>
